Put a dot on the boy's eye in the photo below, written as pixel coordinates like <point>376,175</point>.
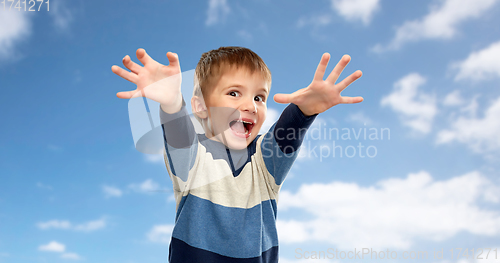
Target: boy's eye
<point>233,93</point>
<point>259,98</point>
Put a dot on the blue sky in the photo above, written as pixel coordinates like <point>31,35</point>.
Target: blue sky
<point>74,188</point>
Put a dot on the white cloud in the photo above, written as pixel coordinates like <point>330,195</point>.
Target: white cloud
<point>304,152</point>
<point>480,134</point>
<point>57,224</point>
<point>470,109</point>
<point>351,10</point>
<point>356,10</point>
<point>393,213</point>
<point>315,21</point>
<point>72,256</point>
<point>16,26</point>
<point>111,191</point>
<point>147,186</point>
<point>480,65</point>
<point>64,224</point>
<point>245,35</point>
<point>474,258</point>
<point>91,225</point>
<point>316,133</point>
<point>292,231</point>
<point>61,15</point>
<point>359,117</point>
<point>416,109</point>
<point>53,246</point>
<point>160,233</point>
<point>440,23</point>
<point>453,98</point>
<point>154,158</point>
<point>217,11</point>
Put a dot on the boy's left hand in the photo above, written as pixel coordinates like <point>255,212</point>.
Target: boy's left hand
<point>321,94</point>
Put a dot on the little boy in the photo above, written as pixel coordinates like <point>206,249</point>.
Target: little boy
<point>226,181</point>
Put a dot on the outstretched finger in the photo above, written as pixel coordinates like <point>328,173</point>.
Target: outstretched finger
<point>350,100</point>
<point>124,74</point>
<point>128,63</point>
<point>283,98</point>
<point>173,59</point>
<point>334,75</point>
<point>320,70</point>
<point>349,80</point>
<point>143,57</point>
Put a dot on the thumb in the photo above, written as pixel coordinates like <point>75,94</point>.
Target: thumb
<point>124,94</point>
<point>283,98</point>
<point>130,94</point>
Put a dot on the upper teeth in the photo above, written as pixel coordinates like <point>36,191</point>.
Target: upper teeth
<point>244,121</point>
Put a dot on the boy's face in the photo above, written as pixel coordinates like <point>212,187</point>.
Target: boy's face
<point>237,107</point>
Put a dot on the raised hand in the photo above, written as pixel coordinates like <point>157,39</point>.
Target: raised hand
<point>321,94</point>
<point>155,81</point>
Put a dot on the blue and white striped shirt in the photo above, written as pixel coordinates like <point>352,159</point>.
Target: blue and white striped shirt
<point>227,199</point>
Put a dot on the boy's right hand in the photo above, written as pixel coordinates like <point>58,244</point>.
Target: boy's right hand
<point>166,79</point>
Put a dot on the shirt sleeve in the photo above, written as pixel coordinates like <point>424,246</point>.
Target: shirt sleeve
<point>180,141</point>
<point>281,143</point>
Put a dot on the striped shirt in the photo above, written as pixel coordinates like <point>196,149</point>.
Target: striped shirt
<point>226,199</point>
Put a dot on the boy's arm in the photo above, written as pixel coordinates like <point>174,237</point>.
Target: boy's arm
<point>178,129</point>
<point>163,84</point>
<point>280,145</point>
<point>180,142</point>
<point>290,129</point>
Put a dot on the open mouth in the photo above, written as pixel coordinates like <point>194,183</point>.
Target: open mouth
<point>242,127</point>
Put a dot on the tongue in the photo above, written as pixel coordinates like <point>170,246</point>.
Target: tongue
<point>238,127</point>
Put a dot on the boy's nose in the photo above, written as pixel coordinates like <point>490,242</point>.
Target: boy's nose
<point>249,105</point>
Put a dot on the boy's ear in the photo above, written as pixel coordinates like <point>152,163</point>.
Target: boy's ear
<point>199,107</point>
